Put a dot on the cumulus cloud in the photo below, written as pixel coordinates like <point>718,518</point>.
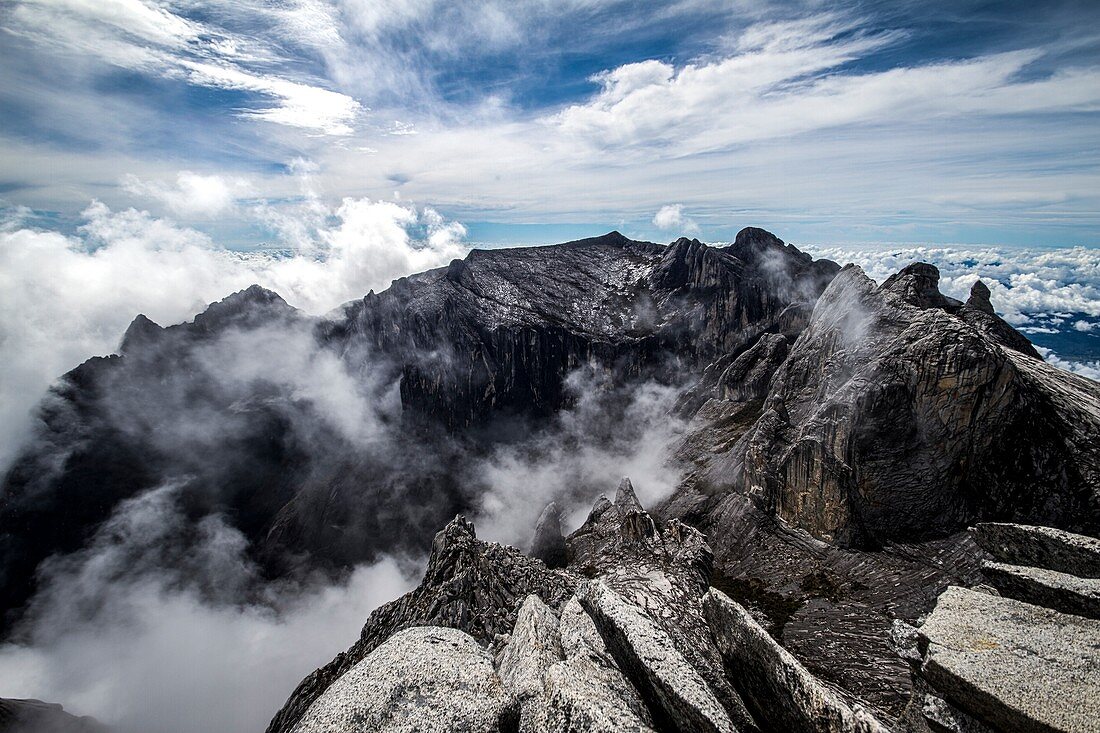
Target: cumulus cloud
<point>66,298</point>
<point>192,194</point>
<point>671,218</point>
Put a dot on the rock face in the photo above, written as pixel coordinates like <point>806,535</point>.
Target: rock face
<point>985,662</point>
<point>775,685</point>
<point>894,417</point>
<point>548,544</point>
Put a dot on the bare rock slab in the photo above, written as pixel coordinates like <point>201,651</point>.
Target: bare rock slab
<point>1060,591</point>
<point>1041,547</point>
<point>679,697</point>
<point>587,692</point>
<point>774,684</point>
<point>1017,666</point>
<point>423,679</point>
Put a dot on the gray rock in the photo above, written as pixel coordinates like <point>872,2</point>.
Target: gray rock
<point>678,696</point>
<point>905,640</point>
<point>777,688</point>
<point>533,647</point>
<point>470,585</point>
<point>1060,591</point>
<point>548,544</point>
<point>625,499</point>
<point>587,692</point>
<point>1041,547</point>
<point>929,713</point>
<point>1013,665</point>
<point>35,716</point>
<point>420,680</point>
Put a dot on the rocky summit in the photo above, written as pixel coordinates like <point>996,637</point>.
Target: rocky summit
<point>883,494</point>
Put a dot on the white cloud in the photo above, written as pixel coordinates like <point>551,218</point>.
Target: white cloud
<point>1090,369</point>
<point>300,105</point>
<point>671,218</point>
<point>124,631</point>
<point>192,194</point>
<point>1086,326</point>
<point>151,39</point>
<point>68,298</point>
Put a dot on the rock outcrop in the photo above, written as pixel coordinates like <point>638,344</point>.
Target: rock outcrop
<point>639,646</point>
<point>423,679</point>
<point>985,662</point>
<point>895,418</point>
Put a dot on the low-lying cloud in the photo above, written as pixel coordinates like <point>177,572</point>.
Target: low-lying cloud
<point>146,630</point>
<point>66,298</point>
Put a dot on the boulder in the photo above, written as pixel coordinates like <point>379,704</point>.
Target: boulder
<point>1060,591</point>
<point>1013,665</point>
<point>533,647</point>
<point>420,680</point>
<point>1041,547</point>
<point>775,686</point>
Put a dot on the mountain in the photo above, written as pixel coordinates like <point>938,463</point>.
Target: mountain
<point>229,405</point>
<point>841,436</point>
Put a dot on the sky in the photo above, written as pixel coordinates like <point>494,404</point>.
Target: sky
<point>947,122</point>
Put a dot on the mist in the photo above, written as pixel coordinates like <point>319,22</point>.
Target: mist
<point>144,629</point>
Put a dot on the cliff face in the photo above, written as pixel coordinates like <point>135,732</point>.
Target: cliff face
<point>900,414</point>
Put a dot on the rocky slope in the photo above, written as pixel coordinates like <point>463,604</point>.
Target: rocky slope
<point>629,636</point>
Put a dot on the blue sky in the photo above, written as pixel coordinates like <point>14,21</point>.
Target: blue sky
<point>534,121</point>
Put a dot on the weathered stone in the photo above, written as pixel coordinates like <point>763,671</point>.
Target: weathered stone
<point>1013,665</point>
<point>929,713</point>
<point>421,680</point>
<point>470,585</point>
<point>587,692</point>
<point>533,647</point>
<point>1041,547</point>
<point>1060,591</point>
<point>548,544</point>
<point>777,688</point>
<point>625,499</point>
<point>678,696</point>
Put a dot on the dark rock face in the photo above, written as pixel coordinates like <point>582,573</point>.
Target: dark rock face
<point>35,716</point>
<point>548,544</point>
<point>894,418</point>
